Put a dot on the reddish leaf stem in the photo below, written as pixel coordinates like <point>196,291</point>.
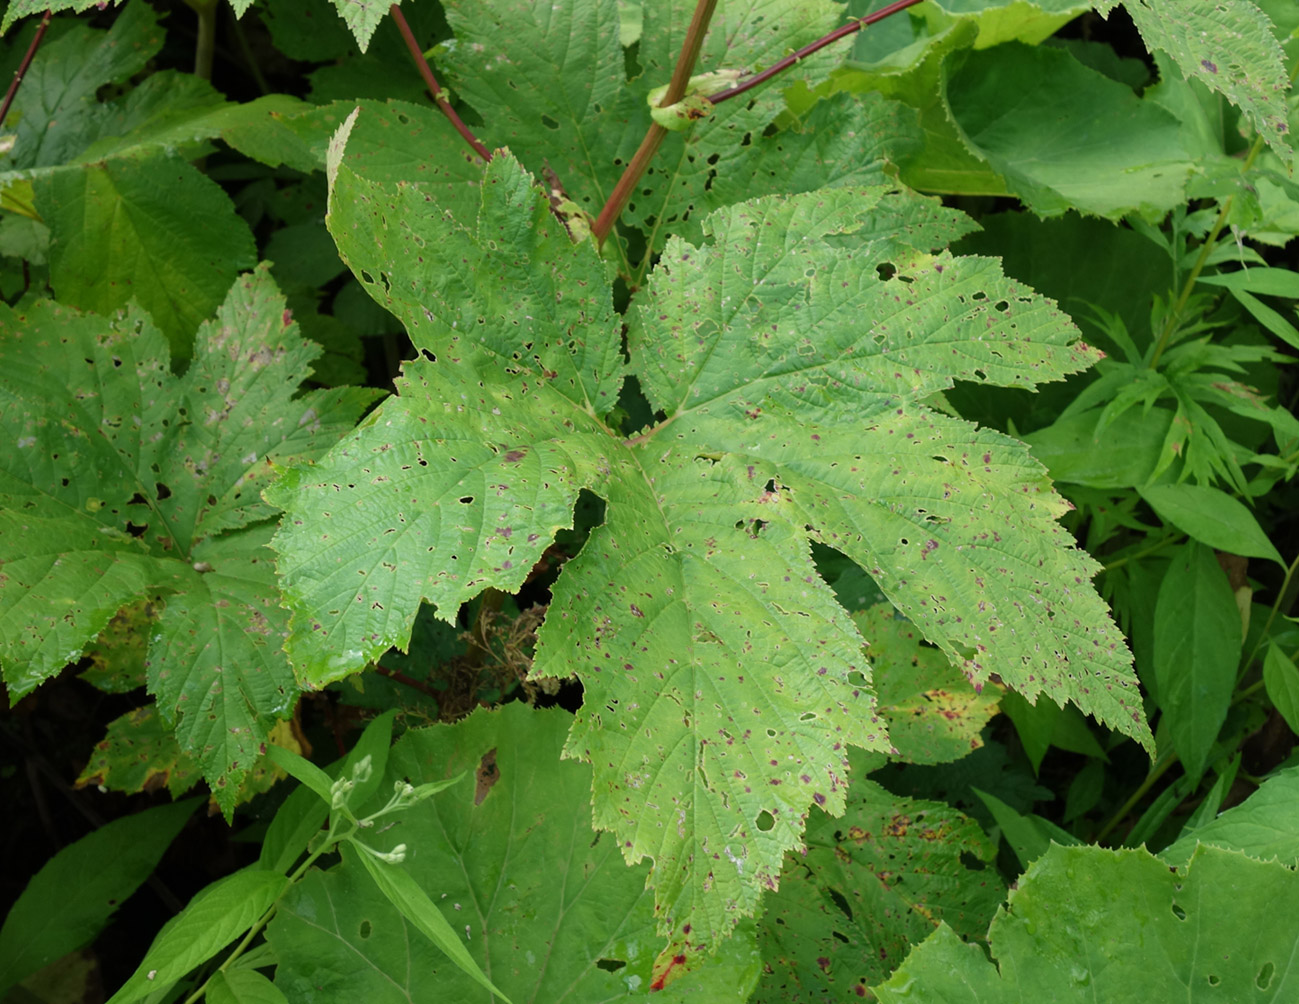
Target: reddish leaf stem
<point>631,175</point>
<point>807,50</point>
<point>409,681</point>
<point>22,67</point>
<point>426,72</point>
<point>676,89</point>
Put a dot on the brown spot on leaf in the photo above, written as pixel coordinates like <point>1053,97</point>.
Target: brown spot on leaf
<point>485,776</point>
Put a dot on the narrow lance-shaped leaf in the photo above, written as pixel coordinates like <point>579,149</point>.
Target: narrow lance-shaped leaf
<point>791,355</point>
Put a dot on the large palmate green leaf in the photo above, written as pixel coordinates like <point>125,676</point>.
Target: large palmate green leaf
<point>870,885</point>
<point>1085,923</point>
<point>125,482</point>
<point>790,356</point>
<point>549,914</point>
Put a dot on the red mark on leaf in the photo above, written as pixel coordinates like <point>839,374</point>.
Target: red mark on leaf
<point>514,456</point>
<point>1208,66</point>
<point>662,980</point>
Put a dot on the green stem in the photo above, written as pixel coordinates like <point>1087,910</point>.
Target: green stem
<point>1282,597</point>
<point>205,46</point>
<point>1156,772</point>
<point>631,175</point>
<point>246,51</point>
<point>1152,549</point>
<point>329,843</point>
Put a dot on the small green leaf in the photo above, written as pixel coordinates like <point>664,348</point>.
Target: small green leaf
<point>1212,517</point>
<point>243,986</point>
<point>75,893</point>
<point>1264,826</point>
<point>1029,835</point>
<point>402,891</point>
<point>1196,648</point>
<point>362,18</point>
<point>1271,319</point>
<point>304,770</point>
<point>214,918</point>
<point>1282,681</point>
<point>1260,280</point>
<point>1207,810</point>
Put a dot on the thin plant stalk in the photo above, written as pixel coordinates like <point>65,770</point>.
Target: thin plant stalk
<point>205,44</point>
<point>677,87</point>
<point>807,50</point>
<point>24,66</point>
<point>1210,242</point>
<point>430,81</point>
<point>631,175</point>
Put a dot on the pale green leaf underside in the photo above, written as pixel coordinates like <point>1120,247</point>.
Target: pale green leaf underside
<point>1066,137</point>
<point>362,17</point>
<point>1086,923</point>
<point>792,355</point>
<point>1228,45</point>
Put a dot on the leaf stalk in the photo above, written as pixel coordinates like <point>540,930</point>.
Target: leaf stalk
<point>807,50</point>
<point>430,81</point>
<point>631,175</point>
<point>23,66</point>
